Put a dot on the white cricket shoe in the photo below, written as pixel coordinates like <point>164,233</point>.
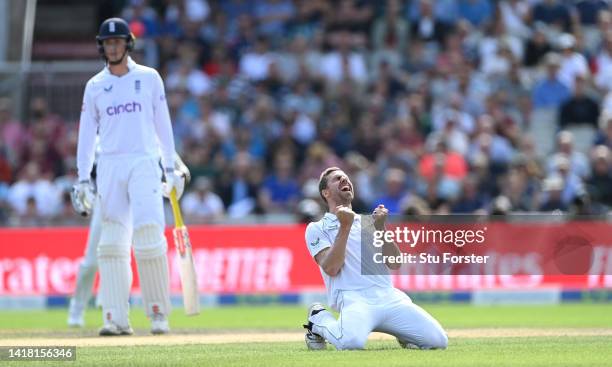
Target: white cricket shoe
<point>112,329</point>
<point>76,315</point>
<point>159,324</point>
<point>407,345</point>
<point>314,341</point>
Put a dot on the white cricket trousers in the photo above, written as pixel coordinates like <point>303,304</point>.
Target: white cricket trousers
<point>129,187</point>
<point>386,310</point>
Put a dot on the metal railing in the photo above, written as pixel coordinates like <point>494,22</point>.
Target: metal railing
<point>61,83</point>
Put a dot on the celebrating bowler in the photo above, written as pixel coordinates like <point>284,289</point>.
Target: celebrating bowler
<point>366,302</point>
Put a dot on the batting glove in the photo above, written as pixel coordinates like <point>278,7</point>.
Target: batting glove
<point>173,179</point>
<point>82,197</point>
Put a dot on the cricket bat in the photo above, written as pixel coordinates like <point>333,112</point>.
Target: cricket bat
<point>191,298</point>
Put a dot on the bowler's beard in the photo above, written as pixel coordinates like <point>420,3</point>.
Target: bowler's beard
<point>342,199</point>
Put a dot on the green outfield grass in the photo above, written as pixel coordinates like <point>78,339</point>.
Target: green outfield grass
<point>583,315</point>
<point>546,351</point>
<point>583,351</point>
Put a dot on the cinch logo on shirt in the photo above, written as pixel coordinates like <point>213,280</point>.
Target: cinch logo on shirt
<point>128,107</point>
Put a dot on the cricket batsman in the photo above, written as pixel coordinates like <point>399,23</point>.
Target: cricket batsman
<point>125,105</point>
<point>366,302</point>
<point>86,206</point>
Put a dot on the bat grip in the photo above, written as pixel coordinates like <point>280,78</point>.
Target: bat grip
<point>176,210</point>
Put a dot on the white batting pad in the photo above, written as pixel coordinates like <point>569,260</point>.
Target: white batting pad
<point>115,284</point>
<point>150,252</point>
<point>155,284</point>
<point>115,273</point>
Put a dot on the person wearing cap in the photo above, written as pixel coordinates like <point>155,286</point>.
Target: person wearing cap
<point>202,205</point>
<point>550,93</point>
<point>578,161</point>
<point>572,62</point>
<point>125,106</point>
<point>551,198</point>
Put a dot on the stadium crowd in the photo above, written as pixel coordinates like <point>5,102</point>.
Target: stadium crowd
<point>449,106</point>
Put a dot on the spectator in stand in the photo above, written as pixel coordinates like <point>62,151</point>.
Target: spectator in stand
<point>604,134</point>
<point>202,205</point>
<point>471,201</point>
<point>255,64</point>
<point>580,108</point>
<point>600,183</point>
<point>572,62</point>
<point>440,189</point>
<point>516,188</point>
<point>34,189</point>
<point>578,162</point>
<point>537,46</point>
<point>395,191</point>
<point>273,15</point>
<point>141,11</point>
<point>477,12</point>
<point>554,13</point>
<point>187,75</point>
<point>427,27</point>
<point>514,16</point>
<point>550,92</point>
<point>281,190</point>
<point>551,197</point>
<point>572,183</point>
<point>603,63</point>
<point>588,10</point>
<point>318,155</point>
<point>454,163</point>
<point>238,192</point>
<point>344,64</point>
<point>390,34</point>
<point>444,10</point>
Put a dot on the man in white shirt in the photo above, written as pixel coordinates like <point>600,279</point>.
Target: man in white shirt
<point>572,63</point>
<point>125,105</point>
<point>366,302</point>
<point>202,205</point>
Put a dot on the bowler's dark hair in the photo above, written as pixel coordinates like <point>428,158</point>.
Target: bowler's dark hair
<point>323,180</point>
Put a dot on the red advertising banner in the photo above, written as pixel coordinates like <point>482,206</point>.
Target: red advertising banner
<point>234,259</point>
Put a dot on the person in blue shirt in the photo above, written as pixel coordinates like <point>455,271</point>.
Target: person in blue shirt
<point>550,92</point>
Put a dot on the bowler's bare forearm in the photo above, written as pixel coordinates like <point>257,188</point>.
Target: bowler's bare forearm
<point>390,248</point>
<point>331,259</point>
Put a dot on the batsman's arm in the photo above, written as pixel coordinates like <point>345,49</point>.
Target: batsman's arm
<point>88,126</point>
<point>163,125</point>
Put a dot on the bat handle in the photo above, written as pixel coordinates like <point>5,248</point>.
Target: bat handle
<point>176,209</point>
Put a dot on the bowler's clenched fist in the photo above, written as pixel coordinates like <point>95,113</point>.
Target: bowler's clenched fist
<point>380,217</point>
<point>345,215</point>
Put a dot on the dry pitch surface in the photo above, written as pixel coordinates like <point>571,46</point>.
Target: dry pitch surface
<point>182,337</point>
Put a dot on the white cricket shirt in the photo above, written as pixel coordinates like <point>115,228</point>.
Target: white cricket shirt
<point>130,115</point>
<point>321,235</point>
